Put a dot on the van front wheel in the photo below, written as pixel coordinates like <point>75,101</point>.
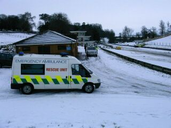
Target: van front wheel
<point>88,88</point>
<point>27,89</point>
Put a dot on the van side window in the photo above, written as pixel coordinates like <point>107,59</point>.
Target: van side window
<point>78,69</point>
<point>32,69</point>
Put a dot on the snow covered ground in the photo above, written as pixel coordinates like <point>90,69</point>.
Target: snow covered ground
<point>9,38</point>
<point>156,57</point>
<point>158,43</point>
<point>130,96</point>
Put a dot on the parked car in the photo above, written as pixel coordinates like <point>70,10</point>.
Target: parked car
<point>91,51</point>
<point>6,59</point>
<point>139,43</point>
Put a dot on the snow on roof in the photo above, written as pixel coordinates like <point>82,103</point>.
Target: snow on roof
<point>50,37</point>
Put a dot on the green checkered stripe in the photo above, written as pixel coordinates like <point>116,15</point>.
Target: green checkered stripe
<point>48,80</point>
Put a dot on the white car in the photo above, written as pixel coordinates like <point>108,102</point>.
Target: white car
<point>91,51</point>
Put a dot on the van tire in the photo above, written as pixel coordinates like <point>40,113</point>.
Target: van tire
<point>88,88</point>
<point>0,65</point>
<point>27,89</point>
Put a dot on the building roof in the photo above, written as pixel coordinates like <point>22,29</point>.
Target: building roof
<point>50,37</point>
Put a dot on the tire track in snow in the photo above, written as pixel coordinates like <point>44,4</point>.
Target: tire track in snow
<point>130,79</point>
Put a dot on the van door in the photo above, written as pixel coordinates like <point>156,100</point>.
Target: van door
<point>79,76</point>
<point>56,75</point>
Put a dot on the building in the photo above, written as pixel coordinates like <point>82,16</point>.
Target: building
<point>81,38</point>
<point>50,42</point>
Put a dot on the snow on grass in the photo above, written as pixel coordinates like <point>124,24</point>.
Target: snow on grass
<point>156,57</point>
<point>9,38</point>
<point>130,96</point>
<point>162,42</point>
<point>84,111</point>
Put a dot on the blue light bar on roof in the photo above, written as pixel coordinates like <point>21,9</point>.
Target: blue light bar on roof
<point>64,54</point>
<point>21,53</point>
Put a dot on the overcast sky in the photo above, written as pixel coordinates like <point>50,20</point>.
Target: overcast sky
<point>111,14</point>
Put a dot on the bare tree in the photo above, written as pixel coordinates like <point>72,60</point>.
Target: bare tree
<point>153,32</point>
<point>127,33</point>
<point>168,27</point>
<point>138,35</point>
<point>144,32</point>
<point>162,29</point>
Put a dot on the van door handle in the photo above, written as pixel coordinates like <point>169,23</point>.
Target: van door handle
<point>70,78</point>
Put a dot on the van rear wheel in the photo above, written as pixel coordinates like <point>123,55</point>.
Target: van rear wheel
<point>88,88</point>
<point>27,89</point>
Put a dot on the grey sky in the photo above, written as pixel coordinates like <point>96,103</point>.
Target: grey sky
<point>111,14</point>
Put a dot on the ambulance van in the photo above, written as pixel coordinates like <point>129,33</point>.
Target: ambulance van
<point>33,71</point>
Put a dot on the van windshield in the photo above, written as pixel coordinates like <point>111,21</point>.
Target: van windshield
<point>87,69</point>
<point>91,48</point>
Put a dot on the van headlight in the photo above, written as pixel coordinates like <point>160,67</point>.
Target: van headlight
<point>99,80</point>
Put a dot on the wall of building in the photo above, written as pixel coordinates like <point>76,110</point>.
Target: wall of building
<point>71,49</point>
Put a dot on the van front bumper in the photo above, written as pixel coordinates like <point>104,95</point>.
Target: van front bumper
<point>92,54</point>
<point>15,86</point>
<point>97,85</point>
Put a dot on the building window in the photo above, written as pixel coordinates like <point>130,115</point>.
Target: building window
<point>68,48</point>
<point>61,47</point>
<point>26,48</point>
<point>44,50</point>
<point>32,69</point>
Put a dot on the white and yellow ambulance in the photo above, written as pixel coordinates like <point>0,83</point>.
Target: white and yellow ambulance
<point>33,71</point>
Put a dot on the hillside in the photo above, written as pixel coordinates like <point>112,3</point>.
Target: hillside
<point>9,38</point>
<point>164,42</point>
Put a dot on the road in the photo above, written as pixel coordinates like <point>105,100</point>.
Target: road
<point>127,98</point>
<point>156,57</point>
<point>120,76</point>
